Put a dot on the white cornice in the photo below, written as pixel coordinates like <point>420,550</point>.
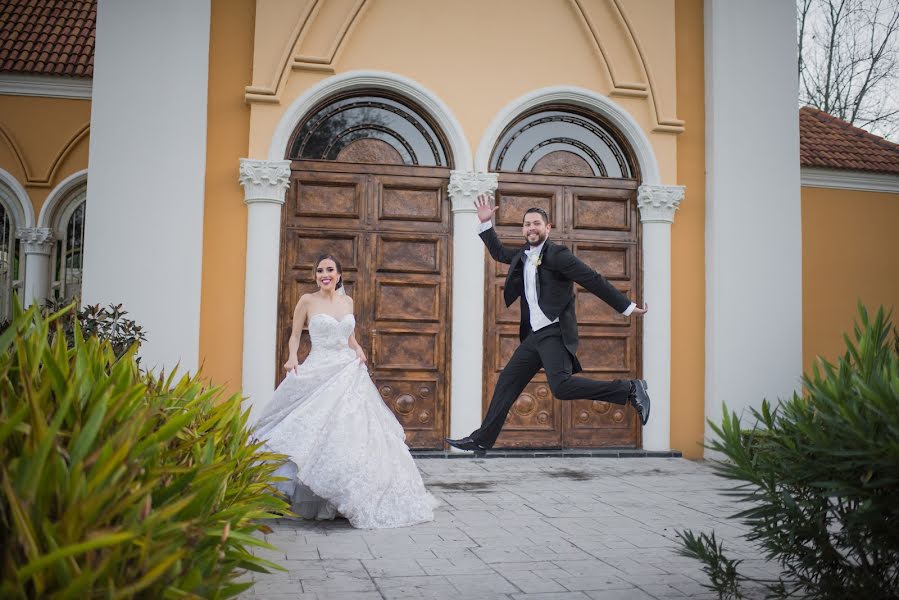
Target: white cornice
<point>50,86</point>
<point>849,180</point>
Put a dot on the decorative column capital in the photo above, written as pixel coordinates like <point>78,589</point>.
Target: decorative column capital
<point>657,203</point>
<point>36,240</point>
<point>264,180</point>
<point>465,186</point>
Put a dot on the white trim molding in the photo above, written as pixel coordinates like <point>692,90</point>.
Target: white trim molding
<point>60,194</point>
<point>264,180</point>
<point>37,244</point>
<point>468,301</point>
<point>584,98</point>
<point>48,86</point>
<point>841,179</point>
<point>36,240</point>
<point>391,82</point>
<point>18,199</point>
<point>265,183</point>
<point>465,186</point>
<point>657,203</point>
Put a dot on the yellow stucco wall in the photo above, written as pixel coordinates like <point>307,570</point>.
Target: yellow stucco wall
<point>225,214</point>
<point>688,241</point>
<point>645,55</point>
<point>43,141</point>
<point>848,253</point>
<point>475,56</point>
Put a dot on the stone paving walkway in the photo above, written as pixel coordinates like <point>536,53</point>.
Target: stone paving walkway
<point>522,528</point>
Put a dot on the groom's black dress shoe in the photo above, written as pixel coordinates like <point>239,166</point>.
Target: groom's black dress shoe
<point>640,398</point>
<point>467,443</point>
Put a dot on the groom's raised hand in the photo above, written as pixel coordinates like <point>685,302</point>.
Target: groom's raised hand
<point>485,207</point>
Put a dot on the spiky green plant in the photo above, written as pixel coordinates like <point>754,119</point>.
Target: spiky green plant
<point>819,475</point>
<point>120,484</point>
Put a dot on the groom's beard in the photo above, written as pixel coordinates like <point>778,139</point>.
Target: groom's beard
<point>536,239</point>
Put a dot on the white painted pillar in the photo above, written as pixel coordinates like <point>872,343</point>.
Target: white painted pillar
<point>657,204</point>
<point>264,183</point>
<point>143,236</point>
<point>37,242</point>
<point>753,226</point>
<point>468,301</point>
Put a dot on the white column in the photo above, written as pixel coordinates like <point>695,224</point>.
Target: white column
<point>468,301</point>
<point>37,242</point>
<point>753,328</point>
<point>657,204</point>
<point>143,243</point>
<point>264,183</point>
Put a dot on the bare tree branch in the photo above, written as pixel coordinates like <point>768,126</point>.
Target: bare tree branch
<point>848,62</point>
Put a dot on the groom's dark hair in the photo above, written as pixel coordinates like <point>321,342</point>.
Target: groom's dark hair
<point>319,260</point>
<point>539,211</point>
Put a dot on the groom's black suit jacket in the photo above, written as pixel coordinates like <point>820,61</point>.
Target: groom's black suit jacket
<point>556,274</point>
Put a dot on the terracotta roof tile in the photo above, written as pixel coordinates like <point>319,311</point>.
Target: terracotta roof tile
<point>831,143</point>
<point>48,37</point>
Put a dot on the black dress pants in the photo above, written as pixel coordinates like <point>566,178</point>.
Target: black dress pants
<point>543,348</point>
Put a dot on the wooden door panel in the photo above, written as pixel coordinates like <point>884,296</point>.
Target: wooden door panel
<point>598,424</point>
<point>514,199</point>
<point>418,199</point>
<point>593,311</point>
<point>304,247</point>
<point>408,254</point>
<point>326,200</point>
<point>416,405</point>
<point>398,299</point>
<point>510,315</point>
<point>405,349</point>
<point>607,353</point>
<point>601,209</point>
<point>614,262</point>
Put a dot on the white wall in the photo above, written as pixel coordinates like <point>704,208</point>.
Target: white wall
<point>144,231</point>
<point>753,243</point>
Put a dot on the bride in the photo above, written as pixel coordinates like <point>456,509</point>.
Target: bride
<point>347,451</point>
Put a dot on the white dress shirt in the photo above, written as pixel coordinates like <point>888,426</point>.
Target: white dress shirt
<point>538,319</point>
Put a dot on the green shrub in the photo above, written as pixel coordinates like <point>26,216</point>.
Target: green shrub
<point>819,477</point>
<point>116,483</point>
<point>108,324</point>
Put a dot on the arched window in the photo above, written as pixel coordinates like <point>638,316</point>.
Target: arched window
<point>67,260</point>
<point>10,268</point>
<point>562,140</point>
<point>369,128</point>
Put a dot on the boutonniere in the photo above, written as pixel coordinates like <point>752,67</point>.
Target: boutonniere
<point>535,259</point>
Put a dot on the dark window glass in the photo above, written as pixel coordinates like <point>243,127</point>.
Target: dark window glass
<point>558,138</point>
<point>340,123</point>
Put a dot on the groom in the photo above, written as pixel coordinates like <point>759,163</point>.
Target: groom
<point>542,273</point>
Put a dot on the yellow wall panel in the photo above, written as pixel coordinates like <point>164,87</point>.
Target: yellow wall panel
<point>848,254</point>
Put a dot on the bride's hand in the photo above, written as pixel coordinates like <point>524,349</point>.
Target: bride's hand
<point>291,364</point>
<point>361,356</point>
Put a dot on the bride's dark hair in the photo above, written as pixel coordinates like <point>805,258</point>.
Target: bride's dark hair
<point>319,260</point>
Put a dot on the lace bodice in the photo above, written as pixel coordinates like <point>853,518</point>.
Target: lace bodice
<point>329,333</point>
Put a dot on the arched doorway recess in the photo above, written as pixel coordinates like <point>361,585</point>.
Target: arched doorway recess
<point>577,166</point>
<point>368,183</point>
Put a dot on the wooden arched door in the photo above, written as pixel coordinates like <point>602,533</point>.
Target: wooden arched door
<point>577,168</point>
<point>368,184</point>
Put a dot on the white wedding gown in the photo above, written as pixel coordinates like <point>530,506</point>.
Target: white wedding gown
<point>347,450</point>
